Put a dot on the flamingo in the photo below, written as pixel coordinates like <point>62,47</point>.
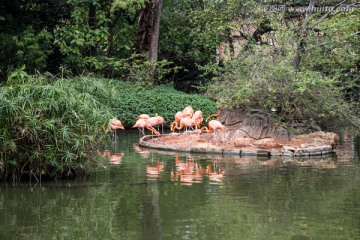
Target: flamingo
<point>150,123</point>
<point>142,116</point>
<point>198,118</point>
<point>214,115</point>
<point>114,124</point>
<point>188,111</point>
<point>178,116</point>
<point>184,122</point>
<point>213,125</point>
<point>160,121</point>
<point>140,124</point>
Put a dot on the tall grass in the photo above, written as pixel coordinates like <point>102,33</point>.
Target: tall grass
<point>47,127</point>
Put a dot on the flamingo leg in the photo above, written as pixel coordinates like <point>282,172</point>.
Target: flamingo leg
<point>153,130</point>
<point>216,136</point>
<point>141,132</point>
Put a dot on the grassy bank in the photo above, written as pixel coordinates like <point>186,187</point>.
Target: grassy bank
<point>49,126</point>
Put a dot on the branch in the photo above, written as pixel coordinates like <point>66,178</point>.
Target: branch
<point>309,13</point>
<point>329,12</point>
<point>310,7</point>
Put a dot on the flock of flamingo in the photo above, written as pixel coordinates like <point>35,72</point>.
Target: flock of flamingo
<point>186,118</point>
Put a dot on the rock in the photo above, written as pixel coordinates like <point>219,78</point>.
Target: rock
<point>275,153</point>
<point>198,149</point>
<point>234,152</point>
<point>316,139</point>
<point>248,153</point>
<point>289,148</point>
<point>302,152</point>
<point>263,153</point>
<point>254,124</point>
<point>325,138</point>
<point>242,142</point>
<point>214,150</point>
<point>267,143</point>
<point>288,153</point>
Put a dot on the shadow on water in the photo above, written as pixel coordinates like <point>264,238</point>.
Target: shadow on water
<point>138,193</point>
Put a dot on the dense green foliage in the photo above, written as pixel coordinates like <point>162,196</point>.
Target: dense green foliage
<point>304,69</point>
<point>127,104</point>
<point>47,127</point>
<point>292,95</point>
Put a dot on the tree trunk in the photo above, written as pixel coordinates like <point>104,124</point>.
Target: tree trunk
<point>142,41</point>
<point>154,36</point>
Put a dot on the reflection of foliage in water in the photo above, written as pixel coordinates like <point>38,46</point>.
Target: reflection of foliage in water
<point>253,201</point>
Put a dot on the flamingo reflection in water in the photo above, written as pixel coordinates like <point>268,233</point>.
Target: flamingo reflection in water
<point>143,153</point>
<point>114,158</point>
<point>190,172</point>
<point>153,170</point>
<point>214,172</point>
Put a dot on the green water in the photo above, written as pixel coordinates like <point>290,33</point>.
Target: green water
<point>144,194</point>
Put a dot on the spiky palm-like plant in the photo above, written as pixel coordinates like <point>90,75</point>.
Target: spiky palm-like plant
<point>47,128</point>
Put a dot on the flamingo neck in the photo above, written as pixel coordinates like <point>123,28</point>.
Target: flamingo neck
<point>204,129</point>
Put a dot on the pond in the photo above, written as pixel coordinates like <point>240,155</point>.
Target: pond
<point>137,193</point>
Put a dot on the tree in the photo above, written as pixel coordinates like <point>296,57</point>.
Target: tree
<point>154,38</point>
<point>26,31</point>
<point>316,77</point>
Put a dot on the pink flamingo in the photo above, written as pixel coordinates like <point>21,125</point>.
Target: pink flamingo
<point>185,122</point>
<point>198,118</point>
<point>213,126</point>
<point>142,116</point>
<point>160,121</point>
<point>214,115</point>
<point>114,124</point>
<point>188,111</point>
<point>140,124</point>
<point>178,117</point>
<point>148,124</point>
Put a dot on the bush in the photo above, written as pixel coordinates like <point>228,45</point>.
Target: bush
<point>259,82</point>
<point>47,128</point>
<point>127,101</point>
